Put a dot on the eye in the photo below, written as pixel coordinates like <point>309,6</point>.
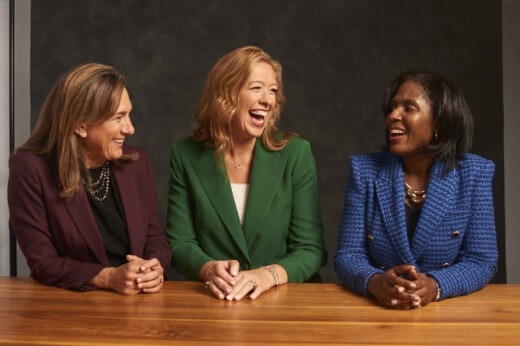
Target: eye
<point>274,90</point>
<point>409,108</point>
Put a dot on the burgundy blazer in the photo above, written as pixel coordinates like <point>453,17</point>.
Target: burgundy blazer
<point>60,238</point>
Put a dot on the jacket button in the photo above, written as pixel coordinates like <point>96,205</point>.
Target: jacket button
<point>371,238</point>
<point>455,234</point>
<point>445,265</point>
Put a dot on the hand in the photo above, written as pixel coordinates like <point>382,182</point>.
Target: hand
<point>219,276</point>
<point>426,287</point>
<point>135,276</point>
<point>251,282</point>
<point>152,273</point>
<point>392,290</point>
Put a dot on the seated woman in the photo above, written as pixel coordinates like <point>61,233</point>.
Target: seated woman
<point>82,203</point>
<point>418,223</point>
<point>243,210</point>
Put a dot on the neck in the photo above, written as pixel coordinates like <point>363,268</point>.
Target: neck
<point>418,167</point>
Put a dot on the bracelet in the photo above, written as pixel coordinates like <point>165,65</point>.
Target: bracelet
<point>206,279</point>
<point>438,294</point>
<point>273,273</point>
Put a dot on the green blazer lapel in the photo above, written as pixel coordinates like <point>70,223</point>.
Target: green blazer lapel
<point>267,171</point>
<point>215,183</point>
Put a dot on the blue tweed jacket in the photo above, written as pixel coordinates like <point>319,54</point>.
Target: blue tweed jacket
<point>454,241</point>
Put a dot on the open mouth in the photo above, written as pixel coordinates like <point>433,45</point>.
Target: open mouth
<point>258,116</point>
<point>394,133</point>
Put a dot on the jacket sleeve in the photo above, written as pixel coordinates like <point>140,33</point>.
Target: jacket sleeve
<point>187,255</point>
<point>351,261</point>
<point>156,245</point>
<point>477,259</point>
<point>33,198</point>
<point>305,244</point>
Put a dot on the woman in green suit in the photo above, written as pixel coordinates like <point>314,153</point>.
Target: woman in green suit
<point>243,210</point>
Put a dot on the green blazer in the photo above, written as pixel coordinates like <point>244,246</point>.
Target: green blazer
<point>282,222</point>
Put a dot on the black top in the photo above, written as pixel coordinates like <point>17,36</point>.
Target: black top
<point>412,216</point>
<point>110,221</point>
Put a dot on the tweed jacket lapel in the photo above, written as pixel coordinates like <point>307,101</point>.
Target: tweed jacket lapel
<point>389,191</point>
<point>266,174</point>
<point>440,196</point>
<point>216,185</point>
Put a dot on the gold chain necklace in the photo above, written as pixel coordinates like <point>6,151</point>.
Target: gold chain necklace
<point>416,196</point>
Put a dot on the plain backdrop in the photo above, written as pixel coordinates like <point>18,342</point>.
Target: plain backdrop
<point>337,55</point>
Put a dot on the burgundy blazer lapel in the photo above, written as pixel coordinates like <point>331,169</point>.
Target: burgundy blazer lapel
<point>129,193</point>
<point>81,214</point>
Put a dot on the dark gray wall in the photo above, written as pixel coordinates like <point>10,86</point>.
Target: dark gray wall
<point>338,56</point>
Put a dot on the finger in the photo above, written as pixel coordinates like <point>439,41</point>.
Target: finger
<point>241,290</point>
<point>154,286</point>
<point>234,267</point>
<point>215,290</point>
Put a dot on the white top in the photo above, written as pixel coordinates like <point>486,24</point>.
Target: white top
<point>240,196</point>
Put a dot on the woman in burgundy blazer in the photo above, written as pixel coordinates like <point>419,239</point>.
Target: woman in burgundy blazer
<point>82,204</point>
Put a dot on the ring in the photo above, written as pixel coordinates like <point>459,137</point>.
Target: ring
<point>207,283</point>
<point>253,282</point>
<point>162,280</point>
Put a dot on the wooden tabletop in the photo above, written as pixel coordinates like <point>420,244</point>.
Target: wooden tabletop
<point>296,314</point>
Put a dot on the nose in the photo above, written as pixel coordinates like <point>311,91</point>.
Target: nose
<point>267,98</point>
<point>395,114</point>
<point>128,128</point>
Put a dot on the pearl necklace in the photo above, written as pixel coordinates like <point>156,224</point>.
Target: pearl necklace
<point>416,196</point>
<point>99,189</point>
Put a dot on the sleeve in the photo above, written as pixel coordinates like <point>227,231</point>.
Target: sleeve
<point>351,261</point>
<point>32,198</point>
<point>187,255</point>
<point>305,244</point>
<point>477,260</point>
<point>156,245</point>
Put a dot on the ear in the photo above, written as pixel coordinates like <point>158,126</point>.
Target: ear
<point>81,131</point>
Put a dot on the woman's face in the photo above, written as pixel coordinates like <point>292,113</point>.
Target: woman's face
<point>410,123</point>
<point>104,141</point>
<point>256,102</point>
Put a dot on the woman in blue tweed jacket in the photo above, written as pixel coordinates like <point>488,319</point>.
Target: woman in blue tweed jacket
<point>418,221</point>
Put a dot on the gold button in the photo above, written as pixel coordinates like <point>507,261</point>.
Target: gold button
<point>371,238</point>
<point>455,234</point>
<point>445,265</point>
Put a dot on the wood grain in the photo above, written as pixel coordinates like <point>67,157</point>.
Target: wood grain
<point>297,314</point>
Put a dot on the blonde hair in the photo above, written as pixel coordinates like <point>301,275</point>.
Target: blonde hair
<point>217,106</point>
<point>89,94</point>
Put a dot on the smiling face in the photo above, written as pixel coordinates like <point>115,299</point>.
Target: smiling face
<point>256,101</point>
<point>104,141</point>
<point>409,125</point>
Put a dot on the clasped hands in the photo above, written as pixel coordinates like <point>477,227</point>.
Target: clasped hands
<point>136,276</point>
<point>402,287</point>
<point>225,280</point>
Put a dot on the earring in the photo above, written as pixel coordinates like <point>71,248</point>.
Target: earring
<point>436,136</point>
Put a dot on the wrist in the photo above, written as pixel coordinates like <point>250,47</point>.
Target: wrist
<point>274,274</point>
<point>438,291</point>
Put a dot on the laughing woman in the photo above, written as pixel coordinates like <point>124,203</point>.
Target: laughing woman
<point>418,222</point>
<point>243,213</point>
<point>82,203</point>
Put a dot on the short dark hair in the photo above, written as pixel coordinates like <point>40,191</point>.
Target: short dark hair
<point>451,115</point>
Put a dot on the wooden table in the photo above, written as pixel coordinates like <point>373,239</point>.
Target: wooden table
<point>297,314</point>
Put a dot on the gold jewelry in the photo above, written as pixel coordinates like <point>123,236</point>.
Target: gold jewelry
<point>206,277</point>
<point>438,293</point>
<point>99,189</point>
<point>273,273</point>
<point>416,196</point>
<point>254,283</point>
